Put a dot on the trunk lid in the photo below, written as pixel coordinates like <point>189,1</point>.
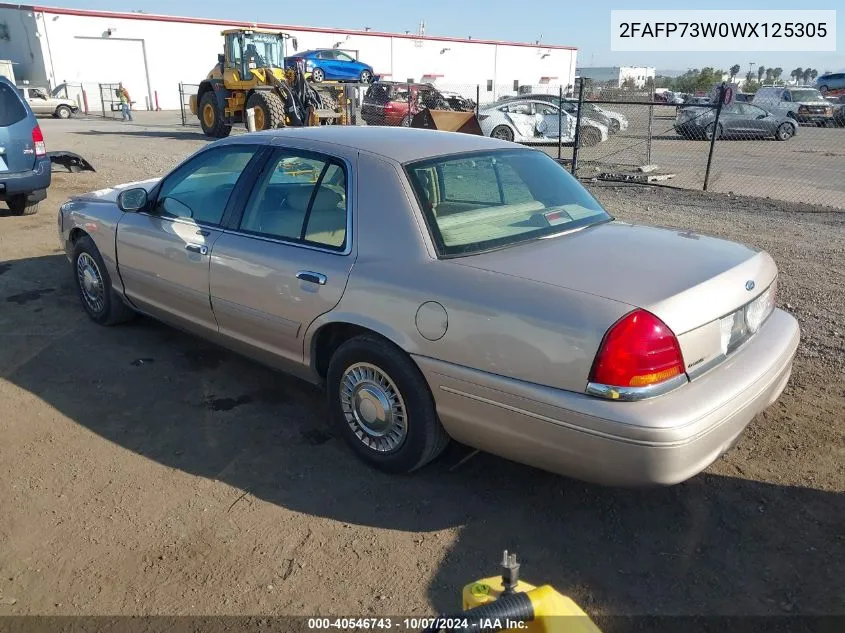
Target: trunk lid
<point>685,279</point>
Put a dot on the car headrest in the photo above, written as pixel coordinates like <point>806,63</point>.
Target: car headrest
<point>325,200</point>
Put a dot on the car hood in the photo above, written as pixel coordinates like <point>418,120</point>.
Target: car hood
<point>110,194</point>
<point>684,278</point>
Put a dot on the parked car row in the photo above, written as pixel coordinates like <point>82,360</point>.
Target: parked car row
<point>773,111</point>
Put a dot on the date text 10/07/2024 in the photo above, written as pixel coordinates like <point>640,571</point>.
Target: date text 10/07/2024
<point>414,624</point>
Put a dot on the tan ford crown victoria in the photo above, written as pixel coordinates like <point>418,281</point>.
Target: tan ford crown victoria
<point>444,285</point>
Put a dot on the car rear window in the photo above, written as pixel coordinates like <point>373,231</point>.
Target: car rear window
<point>485,200</point>
<point>12,109</point>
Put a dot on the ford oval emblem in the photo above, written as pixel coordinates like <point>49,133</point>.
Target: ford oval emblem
<point>749,285</point>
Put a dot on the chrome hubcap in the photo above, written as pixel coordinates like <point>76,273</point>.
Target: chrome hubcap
<point>373,407</point>
<point>91,282</point>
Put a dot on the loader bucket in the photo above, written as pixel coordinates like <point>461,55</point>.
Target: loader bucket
<point>447,120</point>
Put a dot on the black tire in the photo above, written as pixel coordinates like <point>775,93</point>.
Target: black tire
<point>708,132</point>
<point>615,126</point>
<point>366,77</point>
<point>823,90</point>
<point>213,124</point>
<point>113,309</point>
<point>406,121</point>
<point>589,137</point>
<point>18,205</point>
<point>272,110</point>
<point>424,438</point>
<point>63,112</point>
<point>317,75</point>
<point>502,132</point>
<point>785,132</point>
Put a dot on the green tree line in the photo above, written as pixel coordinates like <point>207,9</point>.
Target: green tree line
<point>695,80</point>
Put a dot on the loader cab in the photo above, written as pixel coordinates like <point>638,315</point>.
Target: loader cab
<point>247,50</point>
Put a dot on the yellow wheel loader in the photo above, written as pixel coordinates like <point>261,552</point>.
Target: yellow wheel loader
<point>251,73</point>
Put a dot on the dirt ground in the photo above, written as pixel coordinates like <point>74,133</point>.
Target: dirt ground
<point>148,472</point>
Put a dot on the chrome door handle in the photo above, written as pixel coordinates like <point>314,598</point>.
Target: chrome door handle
<point>314,278</point>
<point>197,248</point>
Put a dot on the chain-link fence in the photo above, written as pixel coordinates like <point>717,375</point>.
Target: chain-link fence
<point>185,93</point>
<point>110,106</point>
<point>627,136</point>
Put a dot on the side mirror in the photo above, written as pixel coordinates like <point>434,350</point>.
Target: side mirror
<point>294,43</point>
<point>132,200</point>
<point>221,58</point>
<point>762,116</point>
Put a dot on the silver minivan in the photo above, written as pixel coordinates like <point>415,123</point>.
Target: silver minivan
<point>805,105</point>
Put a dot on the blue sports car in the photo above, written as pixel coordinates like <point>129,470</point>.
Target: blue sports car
<point>333,65</point>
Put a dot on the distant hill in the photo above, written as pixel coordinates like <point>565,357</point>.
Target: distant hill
<point>669,73</point>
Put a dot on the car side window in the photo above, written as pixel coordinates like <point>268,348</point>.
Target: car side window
<point>302,199</point>
<point>343,57</point>
<point>546,108</point>
<point>200,189</point>
<point>12,108</point>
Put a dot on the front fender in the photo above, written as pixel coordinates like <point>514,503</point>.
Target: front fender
<point>97,220</point>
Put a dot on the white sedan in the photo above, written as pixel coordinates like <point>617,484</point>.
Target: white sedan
<point>536,121</point>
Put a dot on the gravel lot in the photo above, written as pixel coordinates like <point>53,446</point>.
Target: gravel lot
<point>147,472</point>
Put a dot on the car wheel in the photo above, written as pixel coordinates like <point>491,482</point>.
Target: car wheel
<point>405,122</point>
<point>615,126</point>
<point>366,76</point>
<point>93,283</point>
<point>211,118</point>
<point>589,137</point>
<point>19,205</point>
<point>823,90</point>
<point>269,110</point>
<point>63,112</point>
<point>710,129</point>
<point>502,132</point>
<point>785,132</point>
<point>317,75</point>
<point>382,405</point>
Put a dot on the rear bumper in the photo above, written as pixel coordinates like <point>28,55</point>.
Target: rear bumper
<point>34,183</point>
<point>814,118</point>
<point>661,441</point>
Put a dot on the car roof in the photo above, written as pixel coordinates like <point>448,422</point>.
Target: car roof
<point>400,144</point>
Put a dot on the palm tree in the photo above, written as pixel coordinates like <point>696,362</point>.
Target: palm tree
<point>813,74</point>
<point>806,75</point>
<point>760,72</point>
<point>769,72</point>
<point>776,73</point>
<point>735,71</point>
<point>799,72</point>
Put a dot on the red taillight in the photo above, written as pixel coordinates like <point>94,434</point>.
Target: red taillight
<point>639,350</point>
<point>38,141</point>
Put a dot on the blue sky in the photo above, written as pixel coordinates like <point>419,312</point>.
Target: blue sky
<point>580,23</point>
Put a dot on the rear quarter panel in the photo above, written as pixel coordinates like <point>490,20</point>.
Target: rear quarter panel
<point>503,325</point>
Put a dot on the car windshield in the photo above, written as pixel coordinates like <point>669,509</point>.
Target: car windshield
<point>481,201</point>
<point>807,95</point>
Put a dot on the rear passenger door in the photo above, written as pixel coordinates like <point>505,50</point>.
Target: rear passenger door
<point>286,258</point>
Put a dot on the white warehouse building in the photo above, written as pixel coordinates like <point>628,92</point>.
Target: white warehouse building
<point>152,54</point>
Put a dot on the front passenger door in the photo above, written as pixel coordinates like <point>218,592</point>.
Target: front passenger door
<point>164,252</point>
